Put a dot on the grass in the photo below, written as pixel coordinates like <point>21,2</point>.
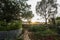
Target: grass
<point>42,32</point>
<point>16,24</point>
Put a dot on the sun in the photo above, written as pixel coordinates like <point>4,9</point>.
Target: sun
<point>33,22</point>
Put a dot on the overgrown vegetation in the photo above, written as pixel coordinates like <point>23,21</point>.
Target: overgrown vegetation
<point>11,13</point>
<point>4,26</point>
<point>42,32</point>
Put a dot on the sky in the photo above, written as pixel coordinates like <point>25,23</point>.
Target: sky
<point>58,1</point>
<point>36,17</point>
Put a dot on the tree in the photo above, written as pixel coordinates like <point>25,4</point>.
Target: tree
<point>52,11</point>
<point>12,10</point>
<point>47,9</point>
<point>28,16</point>
<point>58,18</point>
<point>41,9</point>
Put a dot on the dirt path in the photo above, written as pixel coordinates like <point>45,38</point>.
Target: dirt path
<point>26,37</point>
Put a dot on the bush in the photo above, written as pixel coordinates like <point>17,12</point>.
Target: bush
<point>58,22</point>
<point>42,32</point>
<point>37,28</point>
<point>4,26</point>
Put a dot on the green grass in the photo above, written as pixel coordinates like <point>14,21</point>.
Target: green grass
<point>43,32</point>
<point>16,24</point>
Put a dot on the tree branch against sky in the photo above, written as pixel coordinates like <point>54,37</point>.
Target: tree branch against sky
<point>33,4</point>
<point>47,9</point>
<point>13,10</point>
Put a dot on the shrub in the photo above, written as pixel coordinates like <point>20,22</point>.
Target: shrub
<point>58,22</point>
<point>4,26</point>
<point>37,28</point>
<point>42,32</point>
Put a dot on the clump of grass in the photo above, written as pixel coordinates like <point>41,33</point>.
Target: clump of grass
<point>16,24</point>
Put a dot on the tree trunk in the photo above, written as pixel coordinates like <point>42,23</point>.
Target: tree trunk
<point>53,21</point>
<point>45,20</point>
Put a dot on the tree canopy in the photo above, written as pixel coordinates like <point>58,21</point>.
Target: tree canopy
<point>12,10</point>
<point>47,9</point>
<point>28,15</point>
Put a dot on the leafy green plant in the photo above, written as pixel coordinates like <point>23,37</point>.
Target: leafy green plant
<point>37,28</point>
<point>58,22</point>
<point>42,32</point>
<point>4,26</point>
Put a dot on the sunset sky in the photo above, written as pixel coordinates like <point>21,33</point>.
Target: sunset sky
<point>33,5</point>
